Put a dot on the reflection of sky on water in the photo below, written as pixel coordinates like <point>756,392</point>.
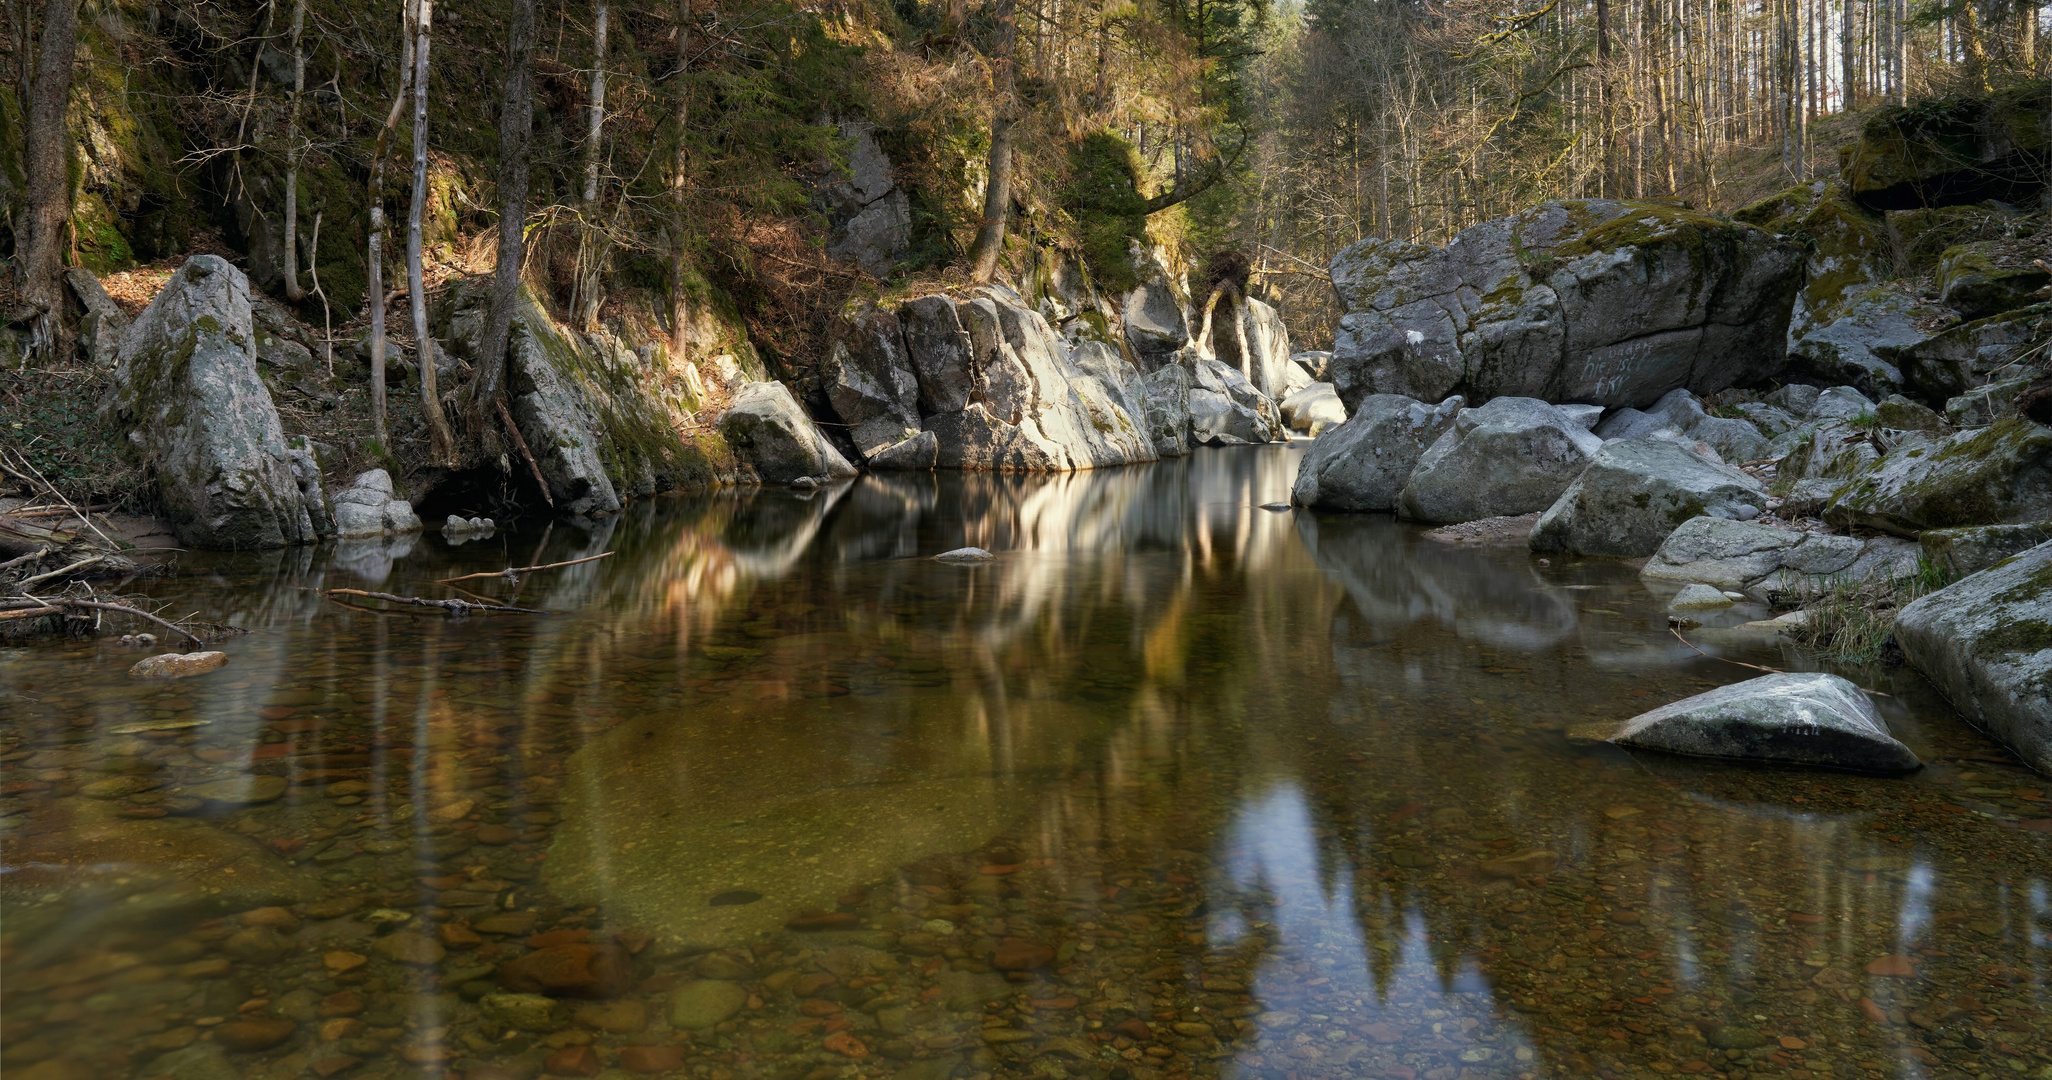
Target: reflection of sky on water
<point>1270,849</point>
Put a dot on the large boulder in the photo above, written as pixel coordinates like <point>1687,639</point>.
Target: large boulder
<point>870,383</point>
<point>1811,718</point>
<point>1152,312</point>
<point>1166,394</point>
<point>1313,410</point>
<point>1769,562</point>
<point>1267,364</point>
<point>939,349</point>
<point>1997,475</point>
<point>1987,278</point>
<point>1227,409</point>
<point>1610,303</point>
<point>1635,492</point>
<point>1967,357</point>
<point>1511,456</point>
<point>769,432</point>
<point>1986,641</point>
<point>555,414</point>
<point>1362,464</point>
<point>1953,151</point>
<point>187,389</point>
<point>1960,552</point>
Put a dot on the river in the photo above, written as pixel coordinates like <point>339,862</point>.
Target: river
<point>1174,786</point>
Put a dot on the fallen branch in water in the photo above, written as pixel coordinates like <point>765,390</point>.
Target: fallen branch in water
<point>124,609</point>
<point>1756,667</point>
<point>453,607</point>
<point>512,571</point>
<point>30,613</point>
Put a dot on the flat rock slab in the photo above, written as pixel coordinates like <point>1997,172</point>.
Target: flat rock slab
<point>1986,641</point>
<point>1795,719</point>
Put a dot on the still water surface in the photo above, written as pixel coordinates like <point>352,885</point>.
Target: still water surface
<point>1174,787</point>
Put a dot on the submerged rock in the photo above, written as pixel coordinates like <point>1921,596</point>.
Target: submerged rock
<point>1635,492</point>
<point>1610,303</point>
<point>1797,719</point>
<point>1997,475</point>
<point>1986,642</point>
<point>1511,456</point>
<point>178,665</point>
<point>769,432</point>
<point>186,387</point>
<point>1699,598</point>
<point>1362,464</point>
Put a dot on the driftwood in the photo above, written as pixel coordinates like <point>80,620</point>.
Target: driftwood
<point>453,607</point>
<point>514,571</point>
<point>57,605</point>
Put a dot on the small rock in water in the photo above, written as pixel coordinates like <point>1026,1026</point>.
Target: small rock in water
<point>1799,719</point>
<point>1697,597</point>
<point>734,898</point>
<point>241,790</point>
<point>138,641</point>
<point>248,1035</point>
<point>698,1005</point>
<point>178,665</point>
<point>965,555</point>
<point>1277,507</point>
<point>805,483</point>
<point>1529,863</point>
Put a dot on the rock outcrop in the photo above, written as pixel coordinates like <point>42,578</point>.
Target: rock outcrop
<point>1680,417</point>
<point>1960,552</point>
<point>1953,151</point>
<point>1986,642</point>
<point>1362,464</point>
<point>1635,492</point>
<point>869,216</point>
<point>1511,456</point>
<point>1610,303</point>
<point>1228,410</point>
<point>870,383</point>
<point>1803,719</point>
<point>771,435</point>
<point>187,390</point>
<point>1769,563</point>
<point>1155,325</point>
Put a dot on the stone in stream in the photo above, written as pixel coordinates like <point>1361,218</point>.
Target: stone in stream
<point>1986,642</point>
<point>1680,417</point>
<point>524,1012</point>
<point>178,665</point>
<point>770,433</point>
<point>1598,301</point>
<point>370,506</point>
<point>1363,463</point>
<point>964,555</point>
<point>186,388</point>
<point>1763,560</point>
<point>704,1003</point>
<point>1698,598</point>
<point>1511,456</point>
<point>1797,719</point>
<point>240,790</point>
<point>570,970</point>
<point>1635,492</point>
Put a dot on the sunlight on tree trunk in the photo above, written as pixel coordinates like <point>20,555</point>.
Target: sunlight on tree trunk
<point>441,440</point>
<point>997,193</point>
<point>47,212</point>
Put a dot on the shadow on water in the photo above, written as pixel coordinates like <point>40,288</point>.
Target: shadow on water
<point>1174,786</point>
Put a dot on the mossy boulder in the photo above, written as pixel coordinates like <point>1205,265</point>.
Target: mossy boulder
<point>188,393</point>
<point>2000,474</point>
<point>1965,357</point>
<point>1635,492</point>
<point>1986,643</point>
<point>1950,151</point>
<point>1919,236</point>
<point>1596,301</point>
<point>1960,552</point>
<point>1982,279</point>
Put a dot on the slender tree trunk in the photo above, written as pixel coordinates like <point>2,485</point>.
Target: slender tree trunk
<point>292,289</point>
<point>516,140</point>
<point>584,302</point>
<point>40,241</point>
<point>441,440</point>
<point>1606,121</point>
<point>997,192</point>
<point>376,255</point>
<point>1899,46</point>
<point>680,314</point>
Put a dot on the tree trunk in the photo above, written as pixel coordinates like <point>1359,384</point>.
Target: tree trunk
<point>584,303</point>
<point>1899,45</point>
<point>516,136</point>
<point>376,255</point>
<point>47,210</point>
<point>680,314</point>
<point>1606,154</point>
<point>292,289</point>
<point>997,192</point>
<point>441,440</point>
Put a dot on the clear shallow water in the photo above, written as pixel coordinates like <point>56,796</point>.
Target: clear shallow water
<point>1174,787</point>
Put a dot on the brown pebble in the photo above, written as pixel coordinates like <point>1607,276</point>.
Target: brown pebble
<point>409,947</point>
<point>340,961</point>
<point>573,1061</point>
<point>257,1034</point>
<point>571,971</point>
<point>342,1003</point>
<point>496,834</point>
<point>458,936</point>
<point>1018,954</point>
<point>329,1066</point>
<point>276,918</point>
<point>651,1059</point>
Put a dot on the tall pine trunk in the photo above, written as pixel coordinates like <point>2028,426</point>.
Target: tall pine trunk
<point>292,290</point>
<point>441,440</point>
<point>40,239</point>
<point>680,314</point>
<point>585,303</point>
<point>997,191</point>
<point>516,140</point>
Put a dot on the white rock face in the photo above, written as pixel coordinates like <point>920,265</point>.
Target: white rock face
<point>1609,303</point>
<point>186,386</point>
<point>1803,719</point>
<point>1510,456</point>
<point>869,215</point>
<point>1313,410</point>
<point>771,434</point>
<point>1986,641</point>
